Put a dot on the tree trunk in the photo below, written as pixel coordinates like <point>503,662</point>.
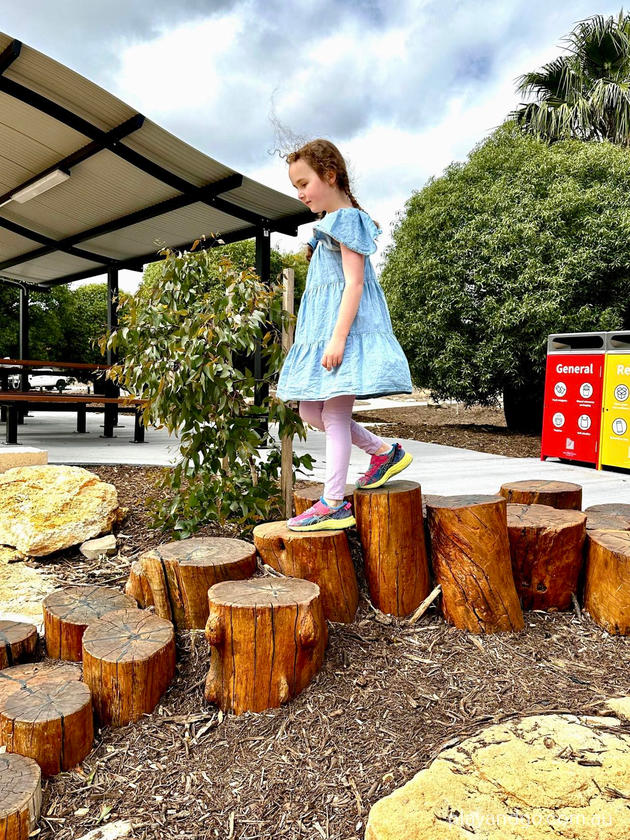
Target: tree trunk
<point>18,643</point>
<point>546,549</point>
<point>557,494</point>
<point>322,557</point>
<point>390,526</point>
<point>20,796</point>
<point>268,638</point>
<point>128,663</point>
<point>523,407</point>
<point>46,714</point>
<point>607,590</point>
<point>180,573</point>
<point>137,586</point>
<point>67,612</point>
<point>471,560</point>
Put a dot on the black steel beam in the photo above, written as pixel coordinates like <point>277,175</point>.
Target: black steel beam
<point>93,148</point>
<point>9,281</point>
<point>176,203</point>
<point>9,54</point>
<point>51,245</point>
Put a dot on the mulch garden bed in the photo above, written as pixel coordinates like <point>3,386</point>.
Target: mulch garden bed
<point>390,696</point>
<point>478,428</point>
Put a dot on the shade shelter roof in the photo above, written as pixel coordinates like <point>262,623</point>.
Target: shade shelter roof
<point>89,185</point>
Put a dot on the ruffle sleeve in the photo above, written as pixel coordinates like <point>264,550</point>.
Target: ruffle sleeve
<point>351,227</point>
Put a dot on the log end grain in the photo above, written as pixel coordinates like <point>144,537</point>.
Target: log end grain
<point>19,642</point>
<point>20,796</point>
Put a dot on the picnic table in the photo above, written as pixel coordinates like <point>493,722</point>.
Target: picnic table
<point>15,404</point>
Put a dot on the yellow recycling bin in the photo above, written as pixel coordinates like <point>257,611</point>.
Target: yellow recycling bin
<point>615,431</point>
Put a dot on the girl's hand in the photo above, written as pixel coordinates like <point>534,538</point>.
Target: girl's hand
<point>333,354</point>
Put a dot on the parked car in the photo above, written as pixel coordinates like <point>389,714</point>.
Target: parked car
<point>44,380</point>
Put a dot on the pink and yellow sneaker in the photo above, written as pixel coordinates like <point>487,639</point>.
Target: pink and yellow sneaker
<point>323,517</point>
<point>383,467</point>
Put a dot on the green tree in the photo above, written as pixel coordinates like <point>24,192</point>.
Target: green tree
<point>86,323</point>
<point>49,316</point>
<point>522,240</point>
<point>585,94</point>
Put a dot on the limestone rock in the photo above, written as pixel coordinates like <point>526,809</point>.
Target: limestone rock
<point>619,706</point>
<point>22,589</point>
<point>93,549</point>
<point>543,777</point>
<point>48,508</point>
<point>21,456</point>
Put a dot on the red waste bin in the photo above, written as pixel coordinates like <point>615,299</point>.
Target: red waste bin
<point>573,397</point>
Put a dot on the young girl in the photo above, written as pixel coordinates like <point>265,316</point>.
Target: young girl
<point>344,345</point>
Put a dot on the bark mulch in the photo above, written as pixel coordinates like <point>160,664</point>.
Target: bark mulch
<point>389,697</point>
<point>478,428</point>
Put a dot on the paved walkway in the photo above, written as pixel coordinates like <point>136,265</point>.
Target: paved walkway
<point>439,469</point>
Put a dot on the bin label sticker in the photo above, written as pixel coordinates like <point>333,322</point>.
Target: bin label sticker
<point>619,426</point>
<point>584,422</point>
<point>558,420</point>
<point>616,425</point>
<point>586,390</point>
<point>560,389</point>
<point>569,443</point>
<point>621,393</point>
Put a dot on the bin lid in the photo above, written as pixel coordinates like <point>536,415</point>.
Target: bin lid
<point>618,342</point>
<point>588,342</point>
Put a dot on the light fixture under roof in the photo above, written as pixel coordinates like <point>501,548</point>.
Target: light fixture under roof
<point>57,176</point>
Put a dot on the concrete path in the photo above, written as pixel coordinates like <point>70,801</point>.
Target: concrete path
<point>439,469</point>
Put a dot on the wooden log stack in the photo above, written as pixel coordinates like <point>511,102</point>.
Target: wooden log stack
<point>67,613</point>
<point>268,637</point>
<point>471,561</point>
<point>558,494</point>
<point>19,642</point>
<point>128,663</point>
<point>546,547</point>
<point>46,714</point>
<point>175,577</point>
<point>607,585</point>
<point>391,531</point>
<point>20,796</point>
<point>322,557</point>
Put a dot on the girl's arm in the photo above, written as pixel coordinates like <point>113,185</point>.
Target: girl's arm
<point>353,265</point>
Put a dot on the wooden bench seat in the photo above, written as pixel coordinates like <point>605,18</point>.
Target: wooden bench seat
<point>14,403</point>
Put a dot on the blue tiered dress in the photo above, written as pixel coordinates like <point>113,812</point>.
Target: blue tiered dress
<point>373,361</point>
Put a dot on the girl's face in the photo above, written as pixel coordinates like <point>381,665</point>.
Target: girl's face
<point>317,194</point>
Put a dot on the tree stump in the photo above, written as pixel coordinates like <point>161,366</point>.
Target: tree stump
<point>67,612</point>
<point>180,573</point>
<point>304,497</point>
<point>546,549</point>
<point>20,796</point>
<point>607,589</point>
<point>268,637</point>
<point>596,521</point>
<point>18,643</point>
<point>46,714</point>
<point>322,557</point>
<point>616,508</point>
<point>471,560</point>
<point>137,586</point>
<point>558,494</point>
<point>391,530</point>
<point>128,663</point>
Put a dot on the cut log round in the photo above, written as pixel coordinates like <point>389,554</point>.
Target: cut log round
<point>18,643</point>
<point>67,612</point>
<point>137,586</point>
<point>46,714</point>
<point>390,526</point>
<point>471,560</point>
<point>616,508</point>
<point>180,573</point>
<point>128,663</point>
<point>558,494</point>
<point>20,796</point>
<point>268,637</point>
<point>304,497</point>
<point>546,550</point>
<point>607,589</point>
<point>601,521</point>
<point>322,557</point>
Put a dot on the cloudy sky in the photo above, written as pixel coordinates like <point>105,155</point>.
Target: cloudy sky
<point>403,87</point>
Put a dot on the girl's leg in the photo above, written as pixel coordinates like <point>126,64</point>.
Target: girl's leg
<point>372,444</point>
<point>311,413</point>
<point>337,417</point>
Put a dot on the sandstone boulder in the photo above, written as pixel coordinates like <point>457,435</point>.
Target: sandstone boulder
<point>93,549</point>
<point>48,508</point>
<point>542,777</point>
<point>22,589</point>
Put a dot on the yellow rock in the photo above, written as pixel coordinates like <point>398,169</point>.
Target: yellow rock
<point>48,508</point>
<point>544,777</point>
<point>619,706</point>
<point>22,589</point>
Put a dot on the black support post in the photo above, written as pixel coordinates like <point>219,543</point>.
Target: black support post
<point>263,270</point>
<point>24,350</point>
<point>111,389</point>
